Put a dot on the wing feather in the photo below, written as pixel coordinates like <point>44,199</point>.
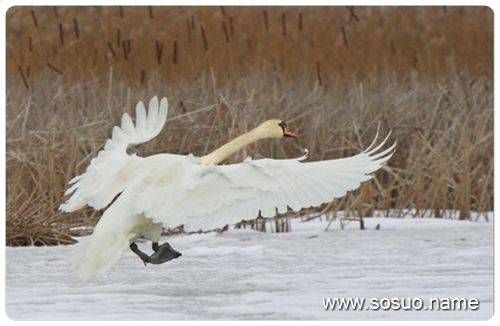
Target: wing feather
<point>127,124</point>
<point>207,197</point>
<point>152,113</point>
<point>112,170</point>
<point>140,117</point>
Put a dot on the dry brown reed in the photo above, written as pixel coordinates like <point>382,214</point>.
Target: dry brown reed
<point>443,161</point>
<point>410,69</point>
<point>401,38</point>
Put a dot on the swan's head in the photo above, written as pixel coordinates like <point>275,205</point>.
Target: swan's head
<point>275,128</point>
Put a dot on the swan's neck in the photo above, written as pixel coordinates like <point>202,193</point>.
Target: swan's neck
<point>223,152</point>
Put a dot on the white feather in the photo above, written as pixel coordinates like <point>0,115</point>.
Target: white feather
<point>127,125</point>
<point>152,113</point>
<point>112,170</point>
<point>140,117</point>
<point>207,193</point>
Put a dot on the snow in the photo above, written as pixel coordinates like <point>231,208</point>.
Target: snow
<point>244,274</point>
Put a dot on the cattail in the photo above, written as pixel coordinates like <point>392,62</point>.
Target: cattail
<point>110,46</point>
<point>33,17</point>
<point>55,69</point>
<point>23,77</point>
<point>150,10</point>
<point>159,51</point>
<point>129,46</point>
<point>205,42</point>
<point>124,49</point>
<point>75,25</point>
<point>224,28</point>
<point>61,34</point>
<point>222,10</point>
<point>174,53</point>
<point>121,11</point>
<point>266,23</point>
<point>300,21</point>
<point>344,35</point>
<point>143,76</point>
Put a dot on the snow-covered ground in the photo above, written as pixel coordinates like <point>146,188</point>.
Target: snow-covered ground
<point>244,274</point>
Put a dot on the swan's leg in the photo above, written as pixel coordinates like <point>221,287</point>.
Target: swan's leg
<point>163,253</point>
<point>145,258</point>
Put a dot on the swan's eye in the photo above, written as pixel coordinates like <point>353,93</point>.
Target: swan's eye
<point>283,125</point>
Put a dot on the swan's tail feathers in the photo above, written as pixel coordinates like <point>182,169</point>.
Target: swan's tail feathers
<point>146,127</point>
<point>96,254</point>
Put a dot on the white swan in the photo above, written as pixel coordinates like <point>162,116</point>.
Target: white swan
<point>168,190</point>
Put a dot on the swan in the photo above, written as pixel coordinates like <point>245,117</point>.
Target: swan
<point>143,195</point>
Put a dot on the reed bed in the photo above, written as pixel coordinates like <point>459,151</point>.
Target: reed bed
<point>78,43</point>
<point>332,73</point>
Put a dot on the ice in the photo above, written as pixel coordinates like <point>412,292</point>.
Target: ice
<point>245,274</point>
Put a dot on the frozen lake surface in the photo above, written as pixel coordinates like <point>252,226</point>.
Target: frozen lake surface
<point>244,274</point>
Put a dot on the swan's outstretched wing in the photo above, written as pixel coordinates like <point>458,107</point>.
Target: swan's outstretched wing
<point>109,173</point>
<point>211,196</point>
<point>147,126</point>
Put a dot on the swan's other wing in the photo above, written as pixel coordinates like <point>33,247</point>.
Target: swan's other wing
<point>146,127</point>
<point>110,172</point>
<point>212,196</point>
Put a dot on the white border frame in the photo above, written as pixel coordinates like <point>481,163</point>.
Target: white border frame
<point>6,4</point>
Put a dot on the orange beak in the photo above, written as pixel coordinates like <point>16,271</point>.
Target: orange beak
<point>288,133</point>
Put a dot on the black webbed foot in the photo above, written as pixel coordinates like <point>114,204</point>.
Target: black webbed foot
<point>145,258</point>
<point>163,254</point>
